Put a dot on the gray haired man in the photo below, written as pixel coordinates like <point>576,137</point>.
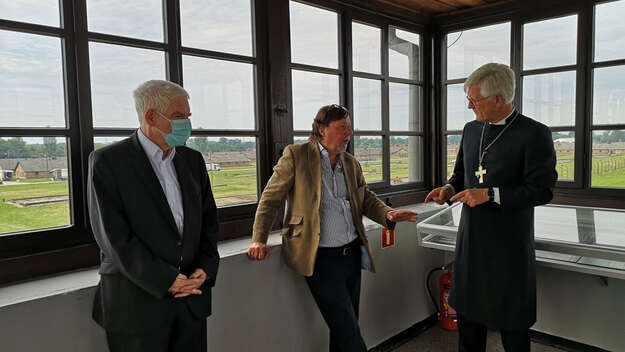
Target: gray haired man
<point>154,217</point>
<point>504,168</point>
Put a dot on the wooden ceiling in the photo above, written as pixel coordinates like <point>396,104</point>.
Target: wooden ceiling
<point>440,7</point>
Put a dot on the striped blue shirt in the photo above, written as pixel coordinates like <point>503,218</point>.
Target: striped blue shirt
<point>337,223</point>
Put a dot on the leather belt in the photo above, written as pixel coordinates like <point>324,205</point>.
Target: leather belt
<point>342,250</point>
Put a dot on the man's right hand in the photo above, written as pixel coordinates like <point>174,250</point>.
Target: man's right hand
<point>182,284</point>
<point>440,195</point>
<point>258,251</point>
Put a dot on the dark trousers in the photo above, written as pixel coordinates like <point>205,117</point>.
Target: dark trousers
<point>472,338</point>
<point>335,286</point>
<point>186,333</point>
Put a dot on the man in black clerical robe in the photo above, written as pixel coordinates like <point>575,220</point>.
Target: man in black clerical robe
<point>505,166</point>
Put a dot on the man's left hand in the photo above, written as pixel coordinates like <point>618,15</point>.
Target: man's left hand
<point>196,280</point>
<point>401,215</point>
<point>472,197</point>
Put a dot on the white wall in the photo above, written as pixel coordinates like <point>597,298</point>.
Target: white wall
<point>264,306</point>
<point>260,306</point>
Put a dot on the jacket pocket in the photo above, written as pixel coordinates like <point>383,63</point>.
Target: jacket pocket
<point>294,226</point>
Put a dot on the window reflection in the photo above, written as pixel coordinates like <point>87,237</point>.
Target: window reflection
<point>550,98</point>
<point>470,49</point>
<point>404,54</point>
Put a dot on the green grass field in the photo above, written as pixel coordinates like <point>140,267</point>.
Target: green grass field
<point>14,219</point>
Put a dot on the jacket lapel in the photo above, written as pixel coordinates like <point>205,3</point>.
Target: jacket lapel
<point>186,190</point>
<point>147,176</point>
<point>314,160</point>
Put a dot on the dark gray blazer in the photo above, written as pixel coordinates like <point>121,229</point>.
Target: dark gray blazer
<point>141,249</point>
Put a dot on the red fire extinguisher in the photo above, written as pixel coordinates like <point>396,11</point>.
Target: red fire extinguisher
<point>447,316</point>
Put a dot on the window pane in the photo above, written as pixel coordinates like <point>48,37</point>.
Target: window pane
<point>458,112</point>
<point>300,140</point>
<point>406,159</point>
<point>34,189</point>
<point>368,151</point>
<point>550,98</point>
<point>608,159</point>
<point>453,144</point>
<point>222,93</point>
<point>99,142</point>
<point>564,143</point>
<point>39,12</point>
<point>468,50</point>
<point>404,54</point>
<point>550,43</point>
<point>231,165</point>
<point>213,26</point>
<point>608,103</point>
<point>367,104</point>
<point>311,91</point>
<point>116,71</point>
<point>31,93</point>
<point>610,31</point>
<point>314,36</point>
<point>405,107</point>
<point>366,48</point>
<point>141,19</point>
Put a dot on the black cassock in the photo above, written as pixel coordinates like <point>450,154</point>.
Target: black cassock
<point>494,278</point>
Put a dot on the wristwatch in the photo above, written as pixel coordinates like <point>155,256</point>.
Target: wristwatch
<point>491,194</point>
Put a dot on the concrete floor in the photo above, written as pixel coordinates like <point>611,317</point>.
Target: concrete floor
<point>436,339</point>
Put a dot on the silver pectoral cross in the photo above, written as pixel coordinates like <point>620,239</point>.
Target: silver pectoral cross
<point>480,173</point>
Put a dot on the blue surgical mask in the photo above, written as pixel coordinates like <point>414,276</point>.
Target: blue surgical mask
<point>180,132</point>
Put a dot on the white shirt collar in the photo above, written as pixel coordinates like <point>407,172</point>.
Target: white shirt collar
<point>503,121</point>
<point>152,150</point>
<point>325,153</point>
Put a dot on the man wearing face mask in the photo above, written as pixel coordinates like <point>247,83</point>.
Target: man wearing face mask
<point>154,217</point>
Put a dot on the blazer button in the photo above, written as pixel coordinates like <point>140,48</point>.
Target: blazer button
<point>179,243</point>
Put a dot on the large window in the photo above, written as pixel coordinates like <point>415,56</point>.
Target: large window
<point>466,51</point>
<point>35,123</point>
<point>387,103</point>
<point>69,70</point>
<point>549,84</point>
<point>571,67</point>
<point>315,68</point>
<point>608,99</point>
<point>218,71</point>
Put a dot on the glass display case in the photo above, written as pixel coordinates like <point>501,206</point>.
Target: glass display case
<point>589,240</point>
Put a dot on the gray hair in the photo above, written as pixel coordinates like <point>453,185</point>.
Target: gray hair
<point>157,95</point>
<point>493,79</point>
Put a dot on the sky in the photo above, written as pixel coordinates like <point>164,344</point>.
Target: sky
<point>223,93</point>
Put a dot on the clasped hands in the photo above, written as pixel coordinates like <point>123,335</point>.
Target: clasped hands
<point>184,286</point>
<point>471,197</point>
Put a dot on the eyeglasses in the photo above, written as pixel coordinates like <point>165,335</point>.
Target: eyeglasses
<point>336,111</point>
<point>475,101</point>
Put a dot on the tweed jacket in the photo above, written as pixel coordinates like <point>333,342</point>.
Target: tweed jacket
<point>297,179</point>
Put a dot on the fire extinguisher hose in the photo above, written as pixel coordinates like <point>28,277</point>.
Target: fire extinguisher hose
<point>427,285</point>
